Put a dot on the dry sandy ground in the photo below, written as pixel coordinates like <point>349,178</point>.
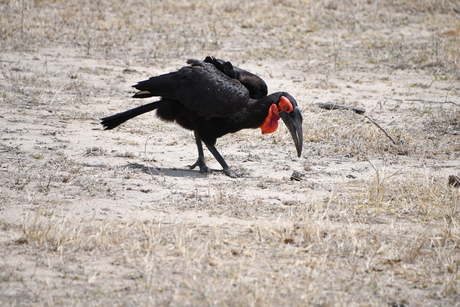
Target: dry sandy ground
<point>94,218</point>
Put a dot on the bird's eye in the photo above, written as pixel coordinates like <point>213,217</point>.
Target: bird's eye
<point>286,109</point>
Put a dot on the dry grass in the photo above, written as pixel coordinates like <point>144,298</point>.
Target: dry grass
<point>290,263</point>
<point>81,232</point>
<point>273,30</point>
<point>355,136</point>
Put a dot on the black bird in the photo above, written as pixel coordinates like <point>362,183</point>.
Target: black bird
<point>203,98</point>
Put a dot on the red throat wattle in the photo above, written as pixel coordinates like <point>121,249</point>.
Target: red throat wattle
<point>271,121</point>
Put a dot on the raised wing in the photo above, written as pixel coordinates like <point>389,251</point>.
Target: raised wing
<point>256,85</point>
<point>204,89</point>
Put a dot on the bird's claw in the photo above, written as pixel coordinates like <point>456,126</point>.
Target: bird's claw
<point>231,173</point>
<point>192,166</point>
<point>204,169</point>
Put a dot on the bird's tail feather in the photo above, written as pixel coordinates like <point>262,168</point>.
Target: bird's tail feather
<point>156,86</point>
<point>113,121</point>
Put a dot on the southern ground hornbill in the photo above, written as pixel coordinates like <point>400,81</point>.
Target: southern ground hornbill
<point>214,98</point>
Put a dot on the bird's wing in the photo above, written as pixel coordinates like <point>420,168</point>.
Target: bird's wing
<point>224,66</point>
<point>256,85</point>
<point>202,88</point>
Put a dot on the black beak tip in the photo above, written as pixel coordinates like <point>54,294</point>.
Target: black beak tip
<point>298,144</point>
<point>293,121</point>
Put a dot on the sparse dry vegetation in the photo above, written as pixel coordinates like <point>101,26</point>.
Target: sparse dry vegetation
<point>98,218</point>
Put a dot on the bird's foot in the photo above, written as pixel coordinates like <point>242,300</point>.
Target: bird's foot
<point>204,169</point>
<point>230,173</point>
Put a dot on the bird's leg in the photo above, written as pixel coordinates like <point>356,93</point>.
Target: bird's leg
<point>200,162</point>
<point>222,162</point>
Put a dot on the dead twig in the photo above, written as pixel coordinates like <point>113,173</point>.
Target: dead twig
<point>334,106</point>
<point>384,131</point>
<point>454,181</point>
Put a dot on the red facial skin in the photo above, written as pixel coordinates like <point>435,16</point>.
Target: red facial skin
<point>271,121</point>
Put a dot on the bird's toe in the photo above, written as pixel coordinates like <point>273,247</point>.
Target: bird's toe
<point>200,164</point>
<point>192,166</point>
<point>204,169</point>
<point>231,173</point>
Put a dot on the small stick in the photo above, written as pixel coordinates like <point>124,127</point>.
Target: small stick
<point>334,106</point>
<point>384,131</point>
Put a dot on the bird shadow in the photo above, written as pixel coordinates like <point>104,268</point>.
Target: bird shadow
<point>169,172</point>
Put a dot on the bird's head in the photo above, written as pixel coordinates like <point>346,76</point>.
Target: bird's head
<point>285,108</point>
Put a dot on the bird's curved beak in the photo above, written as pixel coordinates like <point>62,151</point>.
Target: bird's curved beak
<point>293,121</point>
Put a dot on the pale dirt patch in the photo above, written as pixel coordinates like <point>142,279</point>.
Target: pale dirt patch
<point>93,218</point>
